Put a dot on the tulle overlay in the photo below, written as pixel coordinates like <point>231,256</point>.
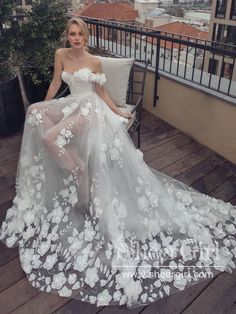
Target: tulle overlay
<point>94,222</point>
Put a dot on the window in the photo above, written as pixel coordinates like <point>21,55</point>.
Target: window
<point>233,10</point>
<point>221,6</point>
<point>227,70</point>
<point>212,68</point>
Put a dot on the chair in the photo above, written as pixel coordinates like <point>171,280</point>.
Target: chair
<point>134,98</point>
<point>125,84</point>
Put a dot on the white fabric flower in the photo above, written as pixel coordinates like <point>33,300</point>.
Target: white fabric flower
<point>114,153</point>
<point>76,244</point>
<point>104,298</point>
<point>166,275</point>
<point>143,203</point>
<point>72,279</point>
<point>29,217</point>
<point>92,299</point>
<point>65,292</point>
<point>179,282</point>
<point>26,259</point>
<point>84,111</point>
<point>89,232</point>
<point>58,280</point>
<point>81,263</point>
<point>154,246</point>
<point>117,295</point>
<point>231,229</point>
<point>154,200</point>
<point>60,141</point>
<point>186,252</point>
<point>117,143</point>
<point>133,290</point>
<point>91,277</point>
<point>121,210</point>
<point>11,240</point>
<point>50,261</point>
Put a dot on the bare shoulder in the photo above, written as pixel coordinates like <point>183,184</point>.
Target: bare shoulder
<point>61,52</point>
<point>96,63</point>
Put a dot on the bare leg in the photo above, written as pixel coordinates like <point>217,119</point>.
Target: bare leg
<point>58,141</point>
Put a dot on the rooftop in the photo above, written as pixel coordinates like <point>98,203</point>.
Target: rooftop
<point>183,29</point>
<point>109,11</point>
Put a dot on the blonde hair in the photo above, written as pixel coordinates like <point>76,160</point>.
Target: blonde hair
<point>82,25</point>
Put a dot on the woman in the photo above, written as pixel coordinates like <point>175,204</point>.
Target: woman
<point>91,219</point>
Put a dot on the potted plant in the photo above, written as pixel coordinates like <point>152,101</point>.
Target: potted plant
<point>40,36</point>
<point>12,111</point>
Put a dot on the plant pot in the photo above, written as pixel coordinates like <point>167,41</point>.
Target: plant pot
<point>12,111</point>
<point>36,93</point>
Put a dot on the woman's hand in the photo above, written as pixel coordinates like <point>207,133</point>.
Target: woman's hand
<point>126,115</point>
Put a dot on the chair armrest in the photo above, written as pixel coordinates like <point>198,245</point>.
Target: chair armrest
<point>138,103</point>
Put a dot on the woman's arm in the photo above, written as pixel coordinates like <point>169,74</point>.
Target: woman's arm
<point>106,98</point>
<point>56,81</point>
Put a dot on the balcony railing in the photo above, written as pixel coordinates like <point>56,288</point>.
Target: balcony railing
<point>184,58</point>
<point>177,56</point>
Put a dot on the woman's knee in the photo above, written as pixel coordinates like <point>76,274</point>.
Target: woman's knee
<point>49,140</point>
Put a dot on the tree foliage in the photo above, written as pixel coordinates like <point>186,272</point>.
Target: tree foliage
<point>40,35</point>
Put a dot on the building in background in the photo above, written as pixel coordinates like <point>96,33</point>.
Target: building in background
<point>223,31</point>
<point>171,50</point>
<point>144,7</point>
<point>157,17</point>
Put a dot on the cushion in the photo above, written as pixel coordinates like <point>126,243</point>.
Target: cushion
<point>117,72</point>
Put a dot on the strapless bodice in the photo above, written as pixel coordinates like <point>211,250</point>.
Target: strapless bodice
<point>81,82</point>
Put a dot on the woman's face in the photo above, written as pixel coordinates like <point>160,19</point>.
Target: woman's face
<point>75,37</point>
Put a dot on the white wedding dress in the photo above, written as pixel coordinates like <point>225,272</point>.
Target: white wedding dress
<point>94,222</point>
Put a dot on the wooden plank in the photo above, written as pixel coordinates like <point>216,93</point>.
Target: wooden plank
<point>201,169</point>
<point>150,139</point>
<point>8,168</point>
<point>10,141</point>
<point>8,193</point>
<point>233,199</point>
<point>226,190</point>
<point>16,295</point>
<point>166,147</point>
<point>213,179</point>
<point>177,302</point>
<point>232,310</point>
<point>121,310</point>
<point>7,254</point>
<point>42,303</point>
<point>174,156</point>
<point>217,297</point>
<point>10,273</point>
<point>8,157</point>
<point>76,306</point>
<point>187,162</point>
<point>150,123</point>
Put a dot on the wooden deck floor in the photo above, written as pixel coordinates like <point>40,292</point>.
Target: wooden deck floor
<point>168,150</point>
